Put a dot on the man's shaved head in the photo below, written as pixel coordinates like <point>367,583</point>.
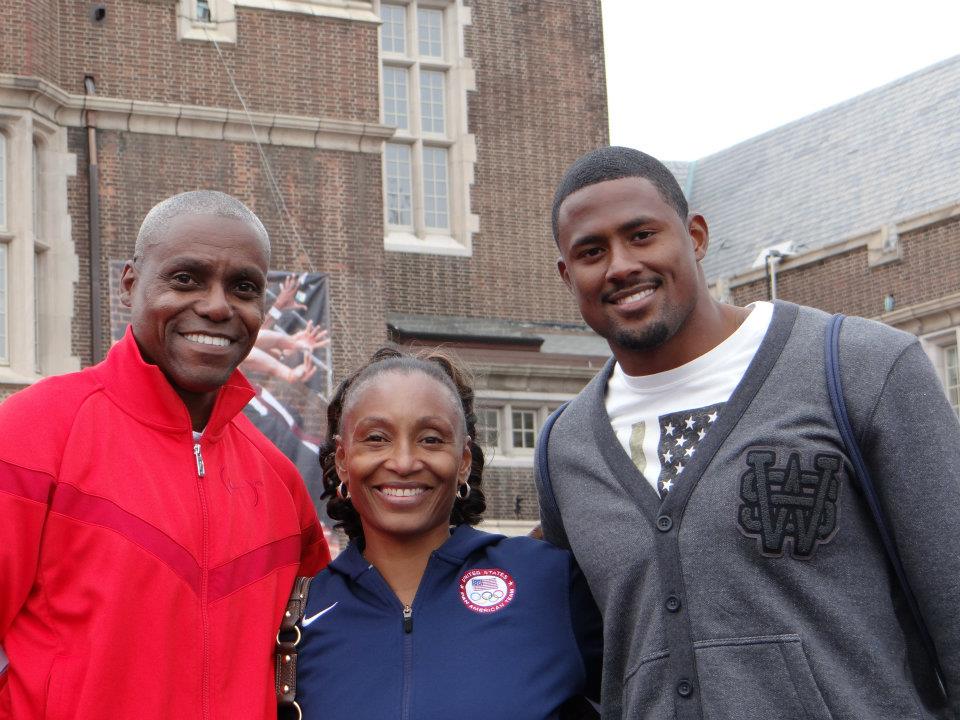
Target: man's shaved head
<point>195,202</point>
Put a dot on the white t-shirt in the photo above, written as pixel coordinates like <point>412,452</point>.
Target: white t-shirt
<point>661,418</point>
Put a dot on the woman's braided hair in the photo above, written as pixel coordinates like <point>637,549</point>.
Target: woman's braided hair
<point>436,365</point>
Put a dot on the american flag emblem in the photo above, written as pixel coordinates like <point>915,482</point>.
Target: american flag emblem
<point>680,433</point>
<point>487,590</point>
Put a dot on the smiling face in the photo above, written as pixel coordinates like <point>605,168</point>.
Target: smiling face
<point>402,452</point>
<point>197,298</point>
<point>633,266</point>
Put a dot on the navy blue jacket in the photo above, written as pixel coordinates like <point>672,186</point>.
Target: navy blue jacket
<point>500,628</point>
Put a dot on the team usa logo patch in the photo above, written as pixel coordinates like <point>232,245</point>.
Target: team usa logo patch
<point>487,590</point>
<point>788,504</point>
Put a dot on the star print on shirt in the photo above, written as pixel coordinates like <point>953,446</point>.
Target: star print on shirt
<point>680,433</point>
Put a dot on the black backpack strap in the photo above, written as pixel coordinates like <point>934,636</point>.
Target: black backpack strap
<point>835,390</point>
<point>548,501</point>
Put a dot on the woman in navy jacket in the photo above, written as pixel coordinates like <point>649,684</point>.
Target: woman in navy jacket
<point>423,617</point>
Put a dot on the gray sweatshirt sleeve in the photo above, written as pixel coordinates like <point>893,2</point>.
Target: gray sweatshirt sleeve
<point>911,444</point>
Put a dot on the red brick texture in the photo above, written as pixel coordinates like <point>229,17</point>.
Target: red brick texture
<point>282,62</point>
<point>540,103</point>
<point>333,197</point>
<point>929,269</point>
<point>502,487</point>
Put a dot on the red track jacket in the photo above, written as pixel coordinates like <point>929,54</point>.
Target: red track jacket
<point>141,575</point>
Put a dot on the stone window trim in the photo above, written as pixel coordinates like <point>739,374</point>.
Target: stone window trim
<point>31,138</point>
<point>57,106</point>
<point>937,325</point>
<point>459,144</point>
<point>941,347</point>
<point>506,453</point>
<point>223,16</point>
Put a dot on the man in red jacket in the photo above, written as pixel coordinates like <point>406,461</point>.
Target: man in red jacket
<point>150,533</point>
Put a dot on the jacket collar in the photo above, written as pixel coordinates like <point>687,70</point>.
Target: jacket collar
<point>463,541</point>
<point>143,391</point>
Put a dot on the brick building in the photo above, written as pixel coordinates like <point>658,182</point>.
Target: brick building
<point>407,148</point>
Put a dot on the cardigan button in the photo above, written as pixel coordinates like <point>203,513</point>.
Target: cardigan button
<point>664,523</point>
<point>673,603</point>
<point>685,688</point>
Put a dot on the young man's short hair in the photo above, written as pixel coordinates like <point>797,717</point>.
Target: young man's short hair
<point>612,163</point>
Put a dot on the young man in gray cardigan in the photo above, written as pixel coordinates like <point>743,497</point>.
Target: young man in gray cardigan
<point>703,485</point>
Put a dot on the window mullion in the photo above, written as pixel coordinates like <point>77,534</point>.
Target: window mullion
<point>416,130</point>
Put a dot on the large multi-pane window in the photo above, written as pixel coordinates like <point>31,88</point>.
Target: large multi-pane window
<point>417,67</point>
<point>951,380</point>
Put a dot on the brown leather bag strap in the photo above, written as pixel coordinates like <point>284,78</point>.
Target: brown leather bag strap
<point>285,664</point>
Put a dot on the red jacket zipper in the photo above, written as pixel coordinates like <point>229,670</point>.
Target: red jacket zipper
<point>205,618</point>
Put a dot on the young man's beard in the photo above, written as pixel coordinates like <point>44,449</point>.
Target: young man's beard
<point>643,339</point>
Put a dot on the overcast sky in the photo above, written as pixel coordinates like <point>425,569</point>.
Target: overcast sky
<point>687,78</point>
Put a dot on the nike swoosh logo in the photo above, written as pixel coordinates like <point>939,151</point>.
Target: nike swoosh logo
<point>308,620</point>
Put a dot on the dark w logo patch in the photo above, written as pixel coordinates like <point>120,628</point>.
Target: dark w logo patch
<point>789,503</point>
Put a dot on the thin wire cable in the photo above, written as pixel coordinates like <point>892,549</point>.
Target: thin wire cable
<point>279,201</point>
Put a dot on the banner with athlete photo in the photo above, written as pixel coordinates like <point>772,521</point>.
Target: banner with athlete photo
<point>290,367</point>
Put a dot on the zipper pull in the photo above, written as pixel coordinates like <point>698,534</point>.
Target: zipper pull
<point>407,619</point>
<point>196,451</point>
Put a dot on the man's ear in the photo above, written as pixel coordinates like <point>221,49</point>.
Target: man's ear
<point>564,274</point>
<point>700,234</point>
<point>128,279</point>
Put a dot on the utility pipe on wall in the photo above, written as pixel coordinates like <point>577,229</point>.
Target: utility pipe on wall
<point>773,260</point>
<point>93,217</point>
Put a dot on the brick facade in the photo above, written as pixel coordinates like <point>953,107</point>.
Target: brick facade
<point>503,486</point>
<point>929,269</point>
<point>282,62</point>
<point>338,236</point>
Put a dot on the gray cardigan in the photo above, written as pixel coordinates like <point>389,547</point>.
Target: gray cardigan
<point>759,588</point>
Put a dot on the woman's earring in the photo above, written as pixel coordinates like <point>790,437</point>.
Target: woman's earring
<point>343,492</point>
<point>463,495</point>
